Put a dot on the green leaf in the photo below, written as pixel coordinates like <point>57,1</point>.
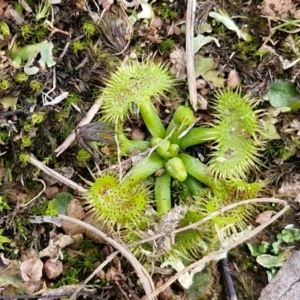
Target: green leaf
<point>297,234</point>
<point>283,93</point>
<point>269,261</point>
<point>201,40</point>
<point>263,247</point>
<point>204,67</point>
<point>30,52</point>
<point>286,235</point>
<point>9,102</point>
<point>253,250</point>
<point>275,247</point>
<point>3,239</point>
<point>61,202</point>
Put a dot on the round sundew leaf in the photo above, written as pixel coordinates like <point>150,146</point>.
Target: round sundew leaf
<point>134,82</point>
<point>236,144</point>
<point>117,204</point>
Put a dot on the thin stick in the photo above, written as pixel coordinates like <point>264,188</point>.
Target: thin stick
<point>86,120</point>
<point>215,254</point>
<point>141,272</point>
<point>209,217</point>
<point>189,41</point>
<point>38,195</point>
<point>55,174</point>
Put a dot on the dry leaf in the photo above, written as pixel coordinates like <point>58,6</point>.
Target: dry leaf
<point>278,9</point>
<point>75,209</point>
<point>138,134</point>
<point>53,268</point>
<point>2,172</point>
<point>233,80</point>
<point>31,267</point>
<point>264,217</point>
<point>201,102</point>
<point>177,58</point>
<point>51,192</point>
<point>106,3</point>
<point>58,242</point>
<point>290,189</point>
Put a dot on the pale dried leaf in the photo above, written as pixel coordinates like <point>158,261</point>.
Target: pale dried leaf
<point>53,269</point>
<point>201,102</point>
<point>264,217</point>
<point>278,9</point>
<point>290,189</point>
<point>177,58</point>
<point>106,3</point>
<point>75,209</point>
<point>31,267</point>
<point>233,80</point>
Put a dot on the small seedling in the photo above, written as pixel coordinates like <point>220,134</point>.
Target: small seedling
<point>29,53</point>
<point>3,240</point>
<point>272,256</point>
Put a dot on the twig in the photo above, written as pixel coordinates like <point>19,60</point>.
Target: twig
<point>86,120</point>
<point>15,112</point>
<point>189,41</point>
<point>141,272</point>
<point>209,217</point>
<point>55,174</point>
<point>38,195</point>
<point>223,250</point>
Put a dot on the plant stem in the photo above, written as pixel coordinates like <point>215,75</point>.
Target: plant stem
<point>163,193</point>
<point>193,185</point>
<point>198,135</point>
<point>197,169</point>
<point>174,137</point>
<point>183,118</point>
<point>151,118</point>
<point>143,169</point>
<point>127,146</point>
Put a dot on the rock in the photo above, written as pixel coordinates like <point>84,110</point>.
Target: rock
<point>286,284</point>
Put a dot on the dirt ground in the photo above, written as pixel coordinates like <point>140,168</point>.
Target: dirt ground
<point>141,144</point>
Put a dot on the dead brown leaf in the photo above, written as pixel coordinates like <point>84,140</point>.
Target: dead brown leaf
<point>3,4</point>
<point>290,189</point>
<point>51,192</point>
<point>31,267</point>
<point>53,268</point>
<point>233,80</point>
<point>278,9</point>
<point>264,217</point>
<point>106,3</point>
<point>177,58</point>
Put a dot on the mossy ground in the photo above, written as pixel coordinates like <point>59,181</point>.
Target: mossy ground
<point>86,55</point>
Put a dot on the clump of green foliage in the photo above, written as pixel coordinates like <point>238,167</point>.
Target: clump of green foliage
<point>4,84</point>
<point>272,256</point>
<point>4,28</point>
<point>78,46</point>
<point>165,11</point>
<point>88,28</point>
